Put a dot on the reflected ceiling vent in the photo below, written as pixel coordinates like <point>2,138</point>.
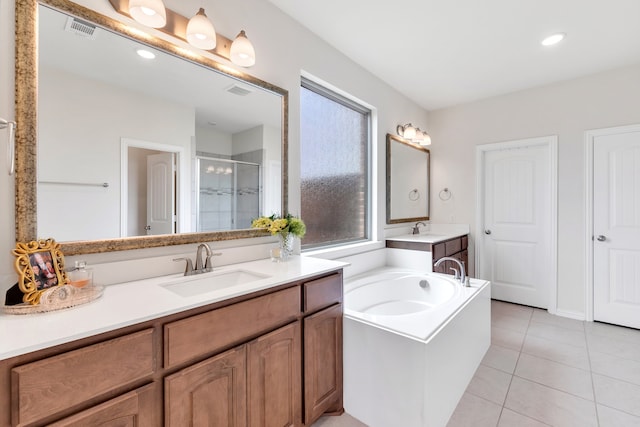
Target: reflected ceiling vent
<point>236,89</point>
<point>80,28</point>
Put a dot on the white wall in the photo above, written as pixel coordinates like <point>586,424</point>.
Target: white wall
<point>565,109</point>
<point>284,49</point>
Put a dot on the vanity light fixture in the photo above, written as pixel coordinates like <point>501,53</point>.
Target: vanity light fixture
<point>413,134</point>
<point>242,51</point>
<point>197,31</point>
<point>200,31</point>
<point>151,13</point>
<point>553,39</point>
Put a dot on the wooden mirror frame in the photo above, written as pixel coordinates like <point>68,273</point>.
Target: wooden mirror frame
<point>26,135</point>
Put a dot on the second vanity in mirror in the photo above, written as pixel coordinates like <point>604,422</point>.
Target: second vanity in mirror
<point>124,152</point>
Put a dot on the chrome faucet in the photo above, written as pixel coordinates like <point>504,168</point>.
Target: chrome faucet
<point>416,228</point>
<point>461,276</point>
<point>201,266</point>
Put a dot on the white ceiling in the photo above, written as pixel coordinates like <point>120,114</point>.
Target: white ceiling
<point>447,52</point>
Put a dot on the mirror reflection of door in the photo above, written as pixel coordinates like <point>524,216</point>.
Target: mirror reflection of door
<point>161,192</point>
<point>150,192</point>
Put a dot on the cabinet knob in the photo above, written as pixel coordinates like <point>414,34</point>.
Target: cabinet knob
<point>601,238</point>
<point>487,232</point>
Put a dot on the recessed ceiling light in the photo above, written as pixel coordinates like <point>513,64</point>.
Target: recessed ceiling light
<point>146,54</point>
<point>553,39</point>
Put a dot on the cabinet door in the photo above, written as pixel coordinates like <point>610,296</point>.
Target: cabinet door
<point>323,363</point>
<point>137,408</point>
<point>210,393</point>
<point>274,376</point>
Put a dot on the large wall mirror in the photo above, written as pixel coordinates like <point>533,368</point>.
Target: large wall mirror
<point>408,168</point>
<point>124,152</point>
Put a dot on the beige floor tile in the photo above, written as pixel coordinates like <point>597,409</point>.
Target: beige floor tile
<point>508,418</point>
<point>501,358</point>
<point>555,375</point>
<point>610,417</point>
<point>543,316</point>
<point>473,411</point>
<point>613,331</point>
<point>615,367</point>
<point>506,338</point>
<point>617,394</point>
<point>489,383</point>
<point>512,323</point>
<point>509,309</point>
<point>558,334</point>
<point>613,345</point>
<point>578,357</point>
<point>548,405</point>
<point>344,420</point>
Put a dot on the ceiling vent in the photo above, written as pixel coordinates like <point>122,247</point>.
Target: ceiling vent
<point>239,90</point>
<point>80,28</point>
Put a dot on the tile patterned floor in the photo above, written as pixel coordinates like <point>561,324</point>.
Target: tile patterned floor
<point>545,370</point>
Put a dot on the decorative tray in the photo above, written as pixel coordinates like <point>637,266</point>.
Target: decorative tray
<point>58,298</point>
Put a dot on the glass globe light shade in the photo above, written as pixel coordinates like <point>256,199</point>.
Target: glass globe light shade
<point>200,31</point>
<point>148,12</point>
<point>242,51</point>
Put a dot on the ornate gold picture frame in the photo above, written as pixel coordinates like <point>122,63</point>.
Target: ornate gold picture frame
<point>40,266</point>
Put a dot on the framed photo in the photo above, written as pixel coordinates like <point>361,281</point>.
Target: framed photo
<point>40,266</point>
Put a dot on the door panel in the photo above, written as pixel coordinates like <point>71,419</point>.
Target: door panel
<point>515,243</point>
<point>616,220</point>
<point>160,193</point>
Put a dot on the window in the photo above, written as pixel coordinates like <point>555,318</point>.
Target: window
<point>335,167</point>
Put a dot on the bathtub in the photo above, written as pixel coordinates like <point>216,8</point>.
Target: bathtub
<point>412,342</point>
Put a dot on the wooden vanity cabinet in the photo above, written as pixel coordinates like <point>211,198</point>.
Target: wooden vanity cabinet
<point>322,324</point>
<point>209,393</point>
<point>270,358</point>
<point>456,248</point>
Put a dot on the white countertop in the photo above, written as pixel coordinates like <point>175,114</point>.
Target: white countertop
<point>129,303</point>
<point>426,237</point>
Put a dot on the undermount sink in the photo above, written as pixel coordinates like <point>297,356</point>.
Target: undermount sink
<point>189,286</point>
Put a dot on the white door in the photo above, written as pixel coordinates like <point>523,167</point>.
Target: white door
<point>515,250</point>
<point>616,227</point>
<point>160,193</point>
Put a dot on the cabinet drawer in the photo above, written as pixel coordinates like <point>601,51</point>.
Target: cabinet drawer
<point>48,386</point>
<point>464,242</point>
<point>206,333</point>
<point>452,246</point>
<point>322,292</point>
<point>136,408</point>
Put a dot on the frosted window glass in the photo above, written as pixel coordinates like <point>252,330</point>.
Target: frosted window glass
<point>334,140</point>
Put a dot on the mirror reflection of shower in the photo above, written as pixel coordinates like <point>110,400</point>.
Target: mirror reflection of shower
<point>229,193</point>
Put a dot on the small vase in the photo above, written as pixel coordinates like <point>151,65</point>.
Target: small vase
<point>284,249</point>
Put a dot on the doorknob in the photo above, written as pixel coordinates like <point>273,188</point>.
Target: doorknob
<point>601,238</point>
<point>487,232</point>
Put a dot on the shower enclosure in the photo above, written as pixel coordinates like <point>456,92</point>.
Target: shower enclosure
<point>229,193</point>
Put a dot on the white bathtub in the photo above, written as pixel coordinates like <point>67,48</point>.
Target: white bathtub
<point>412,342</point>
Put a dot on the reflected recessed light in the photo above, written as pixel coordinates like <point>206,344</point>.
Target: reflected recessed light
<point>553,39</point>
<point>146,54</point>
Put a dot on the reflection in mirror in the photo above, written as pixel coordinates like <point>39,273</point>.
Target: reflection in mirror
<point>158,119</point>
<point>408,171</point>
<point>129,146</point>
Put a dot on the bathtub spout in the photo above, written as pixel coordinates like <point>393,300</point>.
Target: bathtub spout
<point>463,274</point>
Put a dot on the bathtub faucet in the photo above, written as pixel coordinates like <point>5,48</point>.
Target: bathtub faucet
<point>416,229</point>
<point>462,276</point>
